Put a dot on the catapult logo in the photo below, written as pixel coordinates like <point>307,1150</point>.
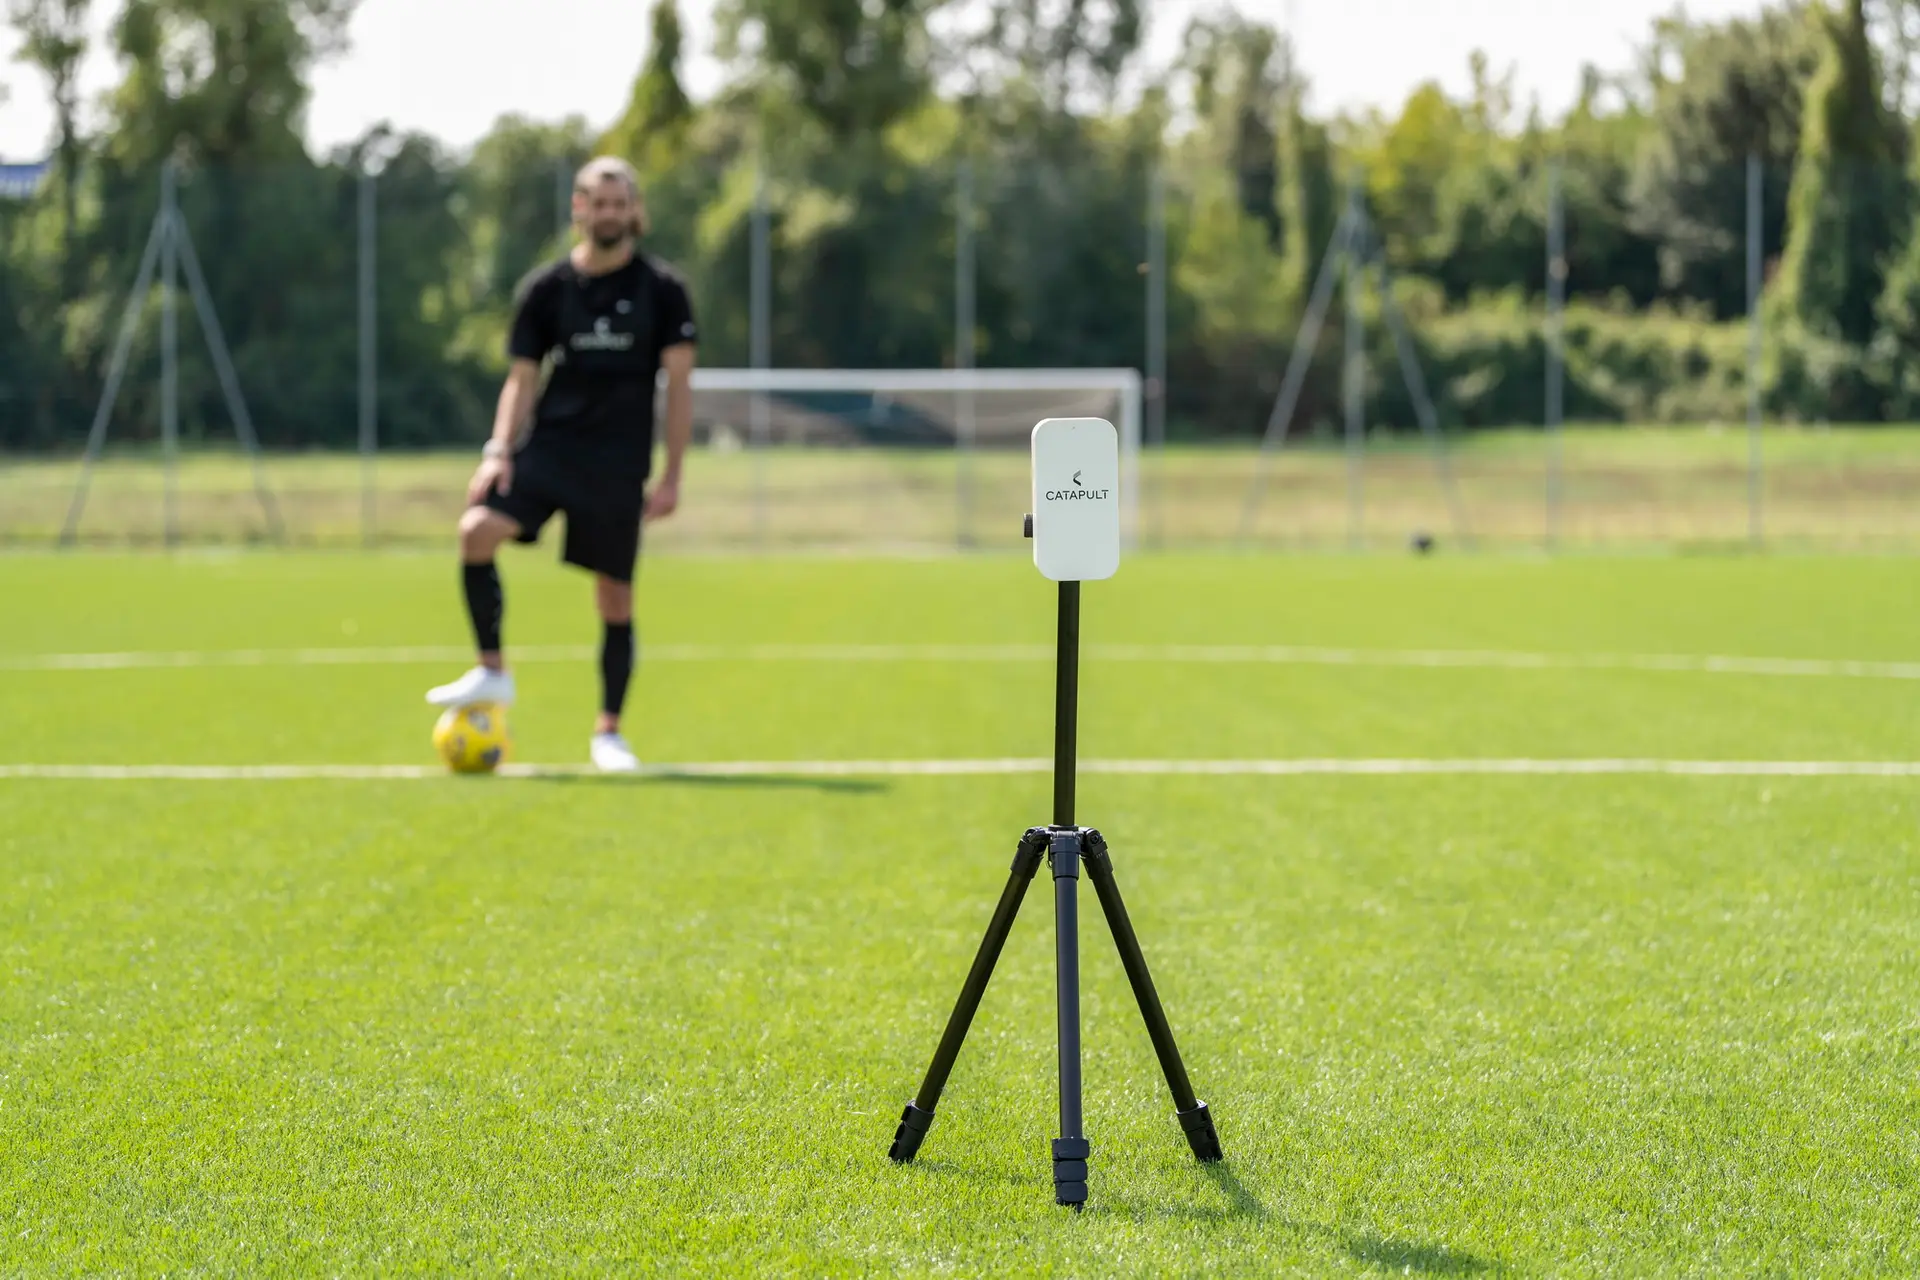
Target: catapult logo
<point>602,338</point>
<point>1080,492</point>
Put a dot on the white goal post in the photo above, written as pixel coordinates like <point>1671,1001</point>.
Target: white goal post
<point>965,410</point>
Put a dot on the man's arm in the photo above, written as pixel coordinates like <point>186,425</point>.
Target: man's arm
<point>509,415</point>
<point>677,360</point>
<point>516,401</point>
<point>529,337</point>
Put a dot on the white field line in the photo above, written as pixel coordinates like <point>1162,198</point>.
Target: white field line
<point>1279,655</point>
<point>975,768</point>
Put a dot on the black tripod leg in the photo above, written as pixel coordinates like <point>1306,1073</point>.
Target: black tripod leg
<point>918,1116</point>
<point>1192,1113</point>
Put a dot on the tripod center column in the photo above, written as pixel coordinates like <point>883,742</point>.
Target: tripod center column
<point>1066,700</point>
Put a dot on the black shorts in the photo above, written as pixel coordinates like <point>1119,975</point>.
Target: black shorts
<point>601,491</point>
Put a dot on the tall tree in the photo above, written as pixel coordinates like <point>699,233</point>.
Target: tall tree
<point>1736,90</point>
<point>224,81</point>
<point>1599,143</point>
<point>1241,85</point>
<point>517,186</point>
<point>652,131</point>
<point>1061,53</point>
<point>1848,200</point>
<point>53,39</point>
<point>221,87</point>
<point>852,66</point>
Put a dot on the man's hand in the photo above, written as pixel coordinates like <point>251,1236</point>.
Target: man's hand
<point>491,473</point>
<point>664,498</point>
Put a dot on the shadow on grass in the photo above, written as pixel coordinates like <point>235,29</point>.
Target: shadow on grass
<point>1409,1257</point>
<point>720,782</point>
<point>1402,1257</point>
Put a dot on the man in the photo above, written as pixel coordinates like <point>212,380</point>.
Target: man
<point>603,321</point>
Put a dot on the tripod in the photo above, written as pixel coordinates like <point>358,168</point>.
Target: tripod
<point>170,247</point>
<point>1067,847</point>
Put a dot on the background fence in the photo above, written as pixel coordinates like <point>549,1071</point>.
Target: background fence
<point>1333,381</point>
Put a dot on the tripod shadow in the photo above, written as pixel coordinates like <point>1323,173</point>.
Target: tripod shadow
<point>717,782</point>
<point>1403,1257</point>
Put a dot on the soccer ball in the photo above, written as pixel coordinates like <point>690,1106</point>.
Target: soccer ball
<point>472,739</point>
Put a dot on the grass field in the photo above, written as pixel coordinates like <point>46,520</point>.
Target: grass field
<point>1852,489</point>
<point>1603,1016</point>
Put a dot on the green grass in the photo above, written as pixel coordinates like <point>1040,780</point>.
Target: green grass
<point>1456,1025</point>
<point>1845,488</point>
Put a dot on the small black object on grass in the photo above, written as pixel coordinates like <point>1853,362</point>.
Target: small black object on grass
<point>1421,541</point>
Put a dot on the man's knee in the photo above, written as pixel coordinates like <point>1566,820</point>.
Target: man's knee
<point>614,598</point>
<point>482,530</point>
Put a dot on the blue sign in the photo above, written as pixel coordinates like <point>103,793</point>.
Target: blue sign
<point>22,181</point>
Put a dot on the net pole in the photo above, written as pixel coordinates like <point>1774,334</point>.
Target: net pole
<point>1156,388</point>
<point>1755,227</point>
<point>369,318</point>
<point>761,341</point>
<point>1556,355</point>
<point>964,282</point>
<point>170,355</point>
<point>1130,396</point>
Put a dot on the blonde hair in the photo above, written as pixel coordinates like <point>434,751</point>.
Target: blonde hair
<point>602,168</point>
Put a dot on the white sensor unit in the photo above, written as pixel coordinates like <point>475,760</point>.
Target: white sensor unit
<point>1076,499</point>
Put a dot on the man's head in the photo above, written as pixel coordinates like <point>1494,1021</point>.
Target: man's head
<point>607,207</point>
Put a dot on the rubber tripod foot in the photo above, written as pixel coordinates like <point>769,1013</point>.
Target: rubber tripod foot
<point>1201,1135</point>
<point>914,1124</point>
<point>1070,1171</point>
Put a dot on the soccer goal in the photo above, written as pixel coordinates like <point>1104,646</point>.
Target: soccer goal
<point>872,458</point>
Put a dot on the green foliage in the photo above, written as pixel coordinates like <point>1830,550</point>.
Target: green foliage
<point>1737,94</point>
<point>652,132</point>
<point>861,119</point>
<point>849,65</point>
<point>1848,198</point>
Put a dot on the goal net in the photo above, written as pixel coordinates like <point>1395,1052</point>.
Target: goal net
<point>867,458</point>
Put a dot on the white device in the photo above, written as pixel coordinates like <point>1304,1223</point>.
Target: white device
<point>1076,499</point>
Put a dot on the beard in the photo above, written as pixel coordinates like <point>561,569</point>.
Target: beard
<point>609,237</point>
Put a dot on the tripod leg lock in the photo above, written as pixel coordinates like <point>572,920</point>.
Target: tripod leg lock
<point>1070,1170</point>
<point>1201,1135</point>
<point>914,1124</point>
<point>1032,848</point>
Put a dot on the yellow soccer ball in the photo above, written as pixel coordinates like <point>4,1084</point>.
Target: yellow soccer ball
<point>472,739</point>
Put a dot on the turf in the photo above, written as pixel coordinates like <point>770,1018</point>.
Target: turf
<point>1449,1025</point>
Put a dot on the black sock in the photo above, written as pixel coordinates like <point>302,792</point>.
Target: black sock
<point>484,604</point>
<point>616,666</point>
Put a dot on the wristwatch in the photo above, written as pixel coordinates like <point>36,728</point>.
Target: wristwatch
<point>493,449</point>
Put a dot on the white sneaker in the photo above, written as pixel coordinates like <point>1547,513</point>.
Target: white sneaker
<point>611,754</point>
<point>481,684</point>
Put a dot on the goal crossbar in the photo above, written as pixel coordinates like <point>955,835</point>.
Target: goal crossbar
<point>1125,384</point>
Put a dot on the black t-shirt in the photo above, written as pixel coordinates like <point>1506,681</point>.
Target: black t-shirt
<point>603,335</point>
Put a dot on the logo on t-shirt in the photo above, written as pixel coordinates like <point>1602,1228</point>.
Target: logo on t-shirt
<point>601,339</point>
